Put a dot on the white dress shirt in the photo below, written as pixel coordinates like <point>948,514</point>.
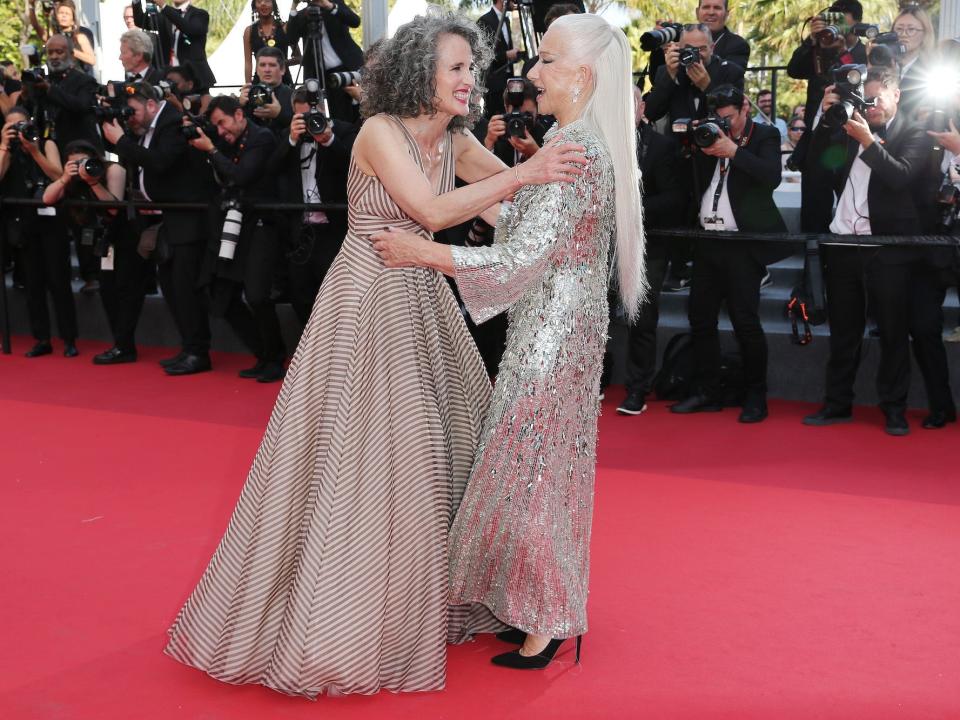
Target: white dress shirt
<point>853,211</point>
<point>723,218</point>
<point>182,9</point>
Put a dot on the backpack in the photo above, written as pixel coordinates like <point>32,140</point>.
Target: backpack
<point>807,304</point>
<point>675,379</point>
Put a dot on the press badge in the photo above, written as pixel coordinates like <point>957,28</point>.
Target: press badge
<point>106,262</point>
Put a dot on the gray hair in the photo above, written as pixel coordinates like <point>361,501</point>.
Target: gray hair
<point>699,27</point>
<point>139,42</point>
<point>400,77</point>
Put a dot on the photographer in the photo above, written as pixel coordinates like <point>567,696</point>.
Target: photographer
<point>326,24</point>
<point>181,36</point>
<point>161,168</point>
<point>64,16</point>
<point>914,56</point>
<point>87,176</point>
<point>271,104</point>
<point>501,134</point>
<point>743,164</point>
<point>504,55</point>
<point>313,166</point>
<point>884,162</point>
<point>136,56</point>
<point>243,260</point>
<point>690,72</point>
<point>28,163</point>
<point>64,99</point>
<point>183,94</point>
<point>813,61</point>
<point>664,197</point>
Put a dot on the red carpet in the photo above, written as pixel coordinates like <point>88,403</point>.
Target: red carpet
<point>773,571</point>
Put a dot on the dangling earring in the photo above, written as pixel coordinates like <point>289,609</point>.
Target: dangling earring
<point>575,96</point>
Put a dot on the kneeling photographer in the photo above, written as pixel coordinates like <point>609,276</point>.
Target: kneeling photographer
<point>241,261</point>
<point>880,165</point>
<point>268,101</point>
<point>739,162</point>
<point>88,176</point>
<point>312,163</point>
<point>517,134</point>
<point>161,167</point>
<point>29,162</point>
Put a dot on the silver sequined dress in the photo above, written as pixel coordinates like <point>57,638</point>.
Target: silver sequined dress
<point>520,542</point>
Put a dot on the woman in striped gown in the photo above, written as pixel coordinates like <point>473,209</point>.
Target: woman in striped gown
<point>520,544</point>
<point>332,574</point>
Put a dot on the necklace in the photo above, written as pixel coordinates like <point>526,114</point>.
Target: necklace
<point>268,40</point>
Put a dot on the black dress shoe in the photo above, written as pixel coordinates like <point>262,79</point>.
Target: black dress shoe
<point>517,661</point>
<point>252,373</point>
<point>696,403</point>
<point>167,362</point>
<point>189,365</point>
<point>633,404</point>
<point>939,418</point>
<point>70,349</point>
<point>754,411</point>
<point>896,422</point>
<point>829,416</point>
<point>115,356</point>
<point>272,372</point>
<point>41,348</point>
<point>512,636</point>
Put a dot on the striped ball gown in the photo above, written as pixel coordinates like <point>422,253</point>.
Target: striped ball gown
<point>332,574</point>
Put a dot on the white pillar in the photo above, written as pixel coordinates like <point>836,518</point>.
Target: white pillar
<point>373,15</point>
<point>949,19</point>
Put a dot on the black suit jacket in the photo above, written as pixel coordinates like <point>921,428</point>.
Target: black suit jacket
<point>498,71</point>
<point>281,123</point>
<point>675,98</point>
<point>333,164</point>
<point>897,169</point>
<point>70,102</point>
<point>172,172</point>
<point>803,66</point>
<point>664,193</point>
<point>337,23</point>
<point>755,172</point>
<point>153,75</point>
<point>191,43</point>
<point>732,48</point>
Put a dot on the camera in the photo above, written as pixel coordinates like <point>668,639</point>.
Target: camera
<point>654,39</point>
<point>343,79</point>
<point>112,111</point>
<point>94,167</point>
<point>865,30</point>
<point>197,123</point>
<point>848,81</point>
<point>314,19</point>
<point>689,56</point>
<point>518,123</point>
<point>702,134</point>
<point>47,5</point>
<point>836,27</point>
<point>29,130</point>
<point>34,74</point>
<point>886,50</point>
<point>260,95</point>
<point>948,202</point>
<point>316,121</point>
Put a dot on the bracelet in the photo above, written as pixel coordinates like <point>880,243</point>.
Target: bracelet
<point>516,173</point>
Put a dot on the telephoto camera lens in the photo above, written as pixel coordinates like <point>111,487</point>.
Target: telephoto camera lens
<point>231,232</point>
<point>653,39</point>
<point>28,129</point>
<point>343,79</point>
<point>94,167</point>
<point>190,132</point>
<point>316,122</point>
<point>708,132</point>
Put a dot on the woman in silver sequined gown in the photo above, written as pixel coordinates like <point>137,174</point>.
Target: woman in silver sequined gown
<point>520,541</point>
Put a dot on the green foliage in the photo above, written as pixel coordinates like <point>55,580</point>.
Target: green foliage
<point>223,16</point>
<point>15,30</point>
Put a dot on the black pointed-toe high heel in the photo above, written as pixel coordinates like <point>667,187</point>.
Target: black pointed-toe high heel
<point>512,636</point>
<point>534,662</point>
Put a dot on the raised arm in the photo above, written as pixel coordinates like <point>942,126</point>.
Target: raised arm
<point>381,150</point>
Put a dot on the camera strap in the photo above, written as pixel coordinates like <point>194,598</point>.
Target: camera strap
<point>724,168</point>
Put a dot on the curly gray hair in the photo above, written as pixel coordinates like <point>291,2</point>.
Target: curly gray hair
<point>400,77</point>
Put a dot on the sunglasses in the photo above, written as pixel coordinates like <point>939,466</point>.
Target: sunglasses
<point>797,128</point>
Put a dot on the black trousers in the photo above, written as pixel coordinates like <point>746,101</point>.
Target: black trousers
<point>88,263</point>
<point>248,306</point>
<point>851,275</point>
<point>724,272</point>
<point>122,290</point>
<point>180,281</point>
<point>46,259</point>
<point>319,245</point>
<point>642,333</point>
<point>929,288</point>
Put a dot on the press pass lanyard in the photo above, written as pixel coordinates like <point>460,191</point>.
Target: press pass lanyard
<point>724,168</point>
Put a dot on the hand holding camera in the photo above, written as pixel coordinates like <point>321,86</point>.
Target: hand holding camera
<point>298,130</point>
<point>948,139</point>
<point>525,145</point>
<point>197,138</point>
<point>857,128</point>
<point>112,131</point>
<point>496,128</point>
<point>722,147</point>
<point>695,69</point>
<point>268,111</point>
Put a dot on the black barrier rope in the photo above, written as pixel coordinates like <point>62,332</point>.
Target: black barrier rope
<point>803,238</point>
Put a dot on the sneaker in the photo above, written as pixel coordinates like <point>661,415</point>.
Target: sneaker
<point>633,404</point>
<point>954,336</point>
<point>675,284</point>
<point>767,280</point>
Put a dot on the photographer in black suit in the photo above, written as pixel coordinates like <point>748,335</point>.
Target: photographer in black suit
<point>276,114</point>
<point>884,164</point>
<point>511,148</point>
<point>664,198</point>
<point>162,168</point>
<point>504,56</point>
<point>136,56</point>
<point>241,261</point>
<point>181,36</point>
<point>333,20</point>
<point>812,61</point>
<point>743,167</point>
<point>313,167</point>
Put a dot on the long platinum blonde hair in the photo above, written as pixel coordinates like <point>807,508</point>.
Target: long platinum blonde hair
<point>594,42</point>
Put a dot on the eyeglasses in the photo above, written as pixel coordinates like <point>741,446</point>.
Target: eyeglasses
<point>797,128</point>
<point>908,31</point>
